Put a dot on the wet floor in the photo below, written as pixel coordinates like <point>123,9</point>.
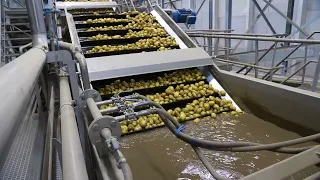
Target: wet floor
<point>159,155</point>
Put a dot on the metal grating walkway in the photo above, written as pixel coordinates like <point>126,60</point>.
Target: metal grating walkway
<point>24,161</point>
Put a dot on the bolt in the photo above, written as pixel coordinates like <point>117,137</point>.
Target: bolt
<point>95,95</point>
<point>95,127</point>
<point>82,96</point>
<point>113,123</point>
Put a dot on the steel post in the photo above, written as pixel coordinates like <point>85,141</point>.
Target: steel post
<point>316,76</point>
<point>18,77</point>
<point>210,26</point>
<point>36,21</point>
<point>290,16</point>
<point>228,20</point>
<point>256,58</point>
<point>304,61</point>
<point>72,156</point>
<point>162,4</point>
<point>273,59</point>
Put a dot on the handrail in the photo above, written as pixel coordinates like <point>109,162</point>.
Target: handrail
<point>298,71</point>
<point>259,38</point>
<point>238,34</point>
<point>266,76</point>
<point>246,64</point>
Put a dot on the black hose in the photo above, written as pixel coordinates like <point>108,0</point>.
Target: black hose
<point>233,146</point>
<point>127,174</point>
<point>207,164</point>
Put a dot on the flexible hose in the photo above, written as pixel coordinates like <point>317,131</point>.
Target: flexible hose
<point>237,146</point>
<point>207,164</point>
<point>127,174</point>
<point>232,146</point>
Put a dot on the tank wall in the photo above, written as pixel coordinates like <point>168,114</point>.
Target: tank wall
<point>260,97</point>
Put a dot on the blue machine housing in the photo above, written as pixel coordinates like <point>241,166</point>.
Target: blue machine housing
<point>184,16</point>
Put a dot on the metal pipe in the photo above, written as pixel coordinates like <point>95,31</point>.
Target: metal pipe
<point>288,19</point>
<point>261,39</point>
<point>316,75</point>
<point>106,133</point>
<point>256,57</point>
<point>302,67</point>
<point>109,110</point>
<point>47,162</point>
<point>210,30</point>
<point>102,167</point>
<point>81,60</point>
<point>36,21</point>
<point>246,64</point>
<point>273,59</point>
<point>18,77</point>
<point>290,16</point>
<point>237,34</point>
<point>304,61</point>
<point>72,156</point>
<point>93,108</point>
<point>103,102</point>
<point>210,25</point>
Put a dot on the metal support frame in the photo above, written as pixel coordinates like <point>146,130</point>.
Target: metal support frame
<point>256,58</point>
<point>302,67</point>
<point>264,17</point>
<point>316,75</point>
<point>285,17</point>
<point>228,22</point>
<point>72,156</point>
<point>290,16</point>
<point>210,25</point>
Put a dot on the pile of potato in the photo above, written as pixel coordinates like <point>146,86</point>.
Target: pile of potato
<point>154,42</point>
<point>182,92</point>
<point>147,32</point>
<point>179,76</point>
<point>104,20</point>
<point>202,107</point>
<point>144,122</point>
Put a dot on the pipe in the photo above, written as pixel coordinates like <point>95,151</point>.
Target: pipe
<point>238,34</point>
<point>93,108</point>
<point>260,39</point>
<point>207,164</point>
<point>18,77</point>
<point>36,21</point>
<point>127,174</point>
<point>236,146</point>
<point>47,162</point>
<point>72,156</point>
<point>247,65</point>
<point>81,60</point>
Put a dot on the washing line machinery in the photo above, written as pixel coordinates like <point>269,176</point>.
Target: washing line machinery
<point>78,138</point>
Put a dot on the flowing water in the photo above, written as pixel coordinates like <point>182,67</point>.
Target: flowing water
<point>159,155</point>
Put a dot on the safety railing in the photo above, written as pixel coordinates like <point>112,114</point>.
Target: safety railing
<point>268,71</point>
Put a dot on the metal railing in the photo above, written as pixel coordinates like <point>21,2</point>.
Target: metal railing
<point>268,75</point>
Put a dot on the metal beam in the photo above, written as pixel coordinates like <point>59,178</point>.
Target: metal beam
<point>290,16</point>
<point>264,17</point>
<point>228,20</point>
<point>284,16</point>
<point>210,25</point>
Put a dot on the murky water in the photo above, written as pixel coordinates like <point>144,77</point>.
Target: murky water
<point>159,155</point>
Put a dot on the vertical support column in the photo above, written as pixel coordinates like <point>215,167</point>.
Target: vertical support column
<point>256,58</point>
<point>228,21</point>
<point>37,25</point>
<point>162,4</point>
<point>316,76</point>
<point>304,62</point>
<point>301,16</point>
<point>216,25</point>
<point>290,16</point>
<point>250,18</point>
<point>210,26</point>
